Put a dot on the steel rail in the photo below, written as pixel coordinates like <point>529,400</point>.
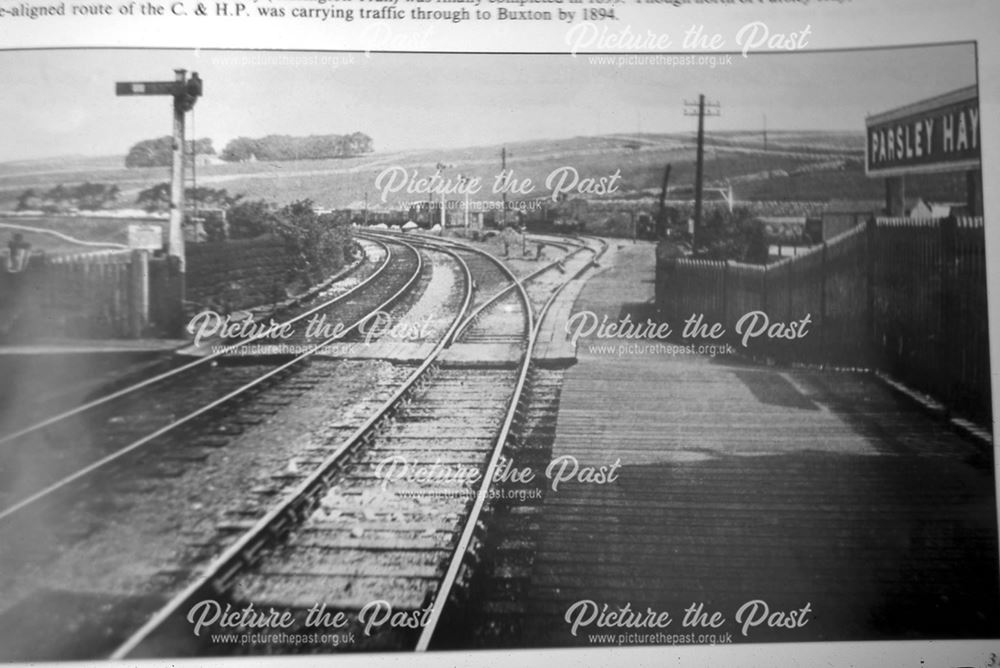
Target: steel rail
<point>460,552</point>
<point>87,470</point>
<point>218,575</point>
<point>244,551</point>
<point>48,422</point>
<point>561,242</point>
<point>514,280</point>
<point>602,243</point>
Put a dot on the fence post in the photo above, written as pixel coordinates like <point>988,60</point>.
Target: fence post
<point>725,294</point>
<point>949,340</point>
<point>871,241</point>
<point>822,300</point>
<point>138,293</point>
<point>763,290</point>
<point>170,299</point>
<point>790,317</point>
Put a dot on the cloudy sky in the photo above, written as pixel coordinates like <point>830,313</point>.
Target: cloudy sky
<point>62,102</point>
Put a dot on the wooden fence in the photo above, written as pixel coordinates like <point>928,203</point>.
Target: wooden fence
<point>929,310</point>
<point>97,294</point>
<point>901,295</point>
<point>126,294</point>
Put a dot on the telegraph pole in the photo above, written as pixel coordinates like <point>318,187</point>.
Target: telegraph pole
<point>440,168</point>
<point>713,110</point>
<point>765,148</point>
<point>176,238</point>
<point>464,180</point>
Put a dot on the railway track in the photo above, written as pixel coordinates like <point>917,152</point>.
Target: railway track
<point>494,614</point>
<point>267,546</point>
<point>366,529</point>
<point>115,518</point>
<point>41,459</point>
<point>236,570</point>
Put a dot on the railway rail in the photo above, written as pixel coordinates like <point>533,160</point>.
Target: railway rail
<point>130,418</point>
<point>96,496</point>
<point>310,497</point>
<point>277,542</point>
<point>356,534</point>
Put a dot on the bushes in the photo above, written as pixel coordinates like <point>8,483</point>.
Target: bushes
<point>320,244</point>
<point>156,199</point>
<point>60,199</point>
<point>297,249</point>
<point>251,218</point>
<point>732,236</point>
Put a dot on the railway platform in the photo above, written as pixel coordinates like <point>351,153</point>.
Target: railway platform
<point>799,504</point>
<point>93,347</point>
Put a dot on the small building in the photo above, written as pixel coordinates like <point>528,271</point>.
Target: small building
<point>839,216</point>
<point>921,208</point>
<point>205,159</point>
<point>783,229</point>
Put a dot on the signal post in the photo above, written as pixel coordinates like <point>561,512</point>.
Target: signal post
<point>185,92</point>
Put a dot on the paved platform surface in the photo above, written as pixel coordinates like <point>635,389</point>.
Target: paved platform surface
<point>733,483</point>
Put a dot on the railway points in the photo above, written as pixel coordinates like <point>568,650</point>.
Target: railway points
<point>467,488</point>
<point>209,433</point>
<point>740,487</point>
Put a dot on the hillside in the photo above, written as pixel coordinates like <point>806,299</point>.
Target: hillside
<point>802,166</point>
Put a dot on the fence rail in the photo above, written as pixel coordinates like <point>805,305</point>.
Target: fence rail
<point>906,296</point>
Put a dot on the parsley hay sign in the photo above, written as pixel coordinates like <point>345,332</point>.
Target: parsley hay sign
<point>939,134</point>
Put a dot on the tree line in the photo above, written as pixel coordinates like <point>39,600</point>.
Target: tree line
<point>287,147</point>
<point>159,152</point>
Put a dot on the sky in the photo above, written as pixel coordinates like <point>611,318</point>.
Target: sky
<point>62,102</point>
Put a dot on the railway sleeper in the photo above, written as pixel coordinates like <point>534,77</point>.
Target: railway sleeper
<point>224,581</point>
<point>209,442</point>
<point>460,593</point>
<point>514,442</point>
<point>253,552</point>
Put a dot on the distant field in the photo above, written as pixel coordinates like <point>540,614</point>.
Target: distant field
<point>342,183</point>
<point>43,242</point>
<point>101,230</point>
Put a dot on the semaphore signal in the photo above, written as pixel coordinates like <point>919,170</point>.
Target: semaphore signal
<point>185,92</point>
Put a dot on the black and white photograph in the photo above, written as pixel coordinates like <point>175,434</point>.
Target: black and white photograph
<point>327,352</point>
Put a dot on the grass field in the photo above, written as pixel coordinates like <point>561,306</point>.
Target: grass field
<point>343,183</point>
<point>91,229</point>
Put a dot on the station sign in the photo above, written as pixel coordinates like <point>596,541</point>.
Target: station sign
<point>935,135</point>
<point>145,237</point>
